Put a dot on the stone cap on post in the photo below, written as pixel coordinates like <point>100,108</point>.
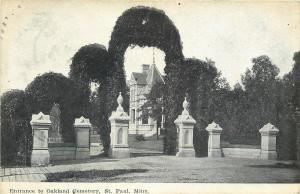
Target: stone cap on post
<point>268,129</point>
<point>40,119</point>
<point>119,114</point>
<point>214,128</point>
<point>82,122</point>
<point>185,117</point>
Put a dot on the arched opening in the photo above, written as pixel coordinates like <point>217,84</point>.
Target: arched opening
<point>94,86</point>
<point>148,27</point>
<point>135,56</point>
<point>144,68</point>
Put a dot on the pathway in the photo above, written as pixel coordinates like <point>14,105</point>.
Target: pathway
<point>169,169</point>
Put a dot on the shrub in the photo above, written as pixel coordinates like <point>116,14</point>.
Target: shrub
<point>16,138</point>
<point>89,64</point>
<point>49,88</point>
<point>140,137</point>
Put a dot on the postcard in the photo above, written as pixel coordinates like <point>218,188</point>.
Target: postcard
<point>142,97</point>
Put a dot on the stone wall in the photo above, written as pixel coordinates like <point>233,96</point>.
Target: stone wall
<point>62,153</point>
<point>44,152</point>
<point>241,153</point>
<point>267,150</point>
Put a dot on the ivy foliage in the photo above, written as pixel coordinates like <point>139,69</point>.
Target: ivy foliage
<point>89,64</point>
<point>16,138</point>
<point>142,26</point>
<point>145,26</point>
<point>201,79</point>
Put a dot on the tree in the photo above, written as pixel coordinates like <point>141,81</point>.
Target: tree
<point>50,88</point>
<point>259,82</point>
<point>16,136</point>
<point>155,100</point>
<point>286,141</point>
<point>195,79</point>
<point>199,80</point>
<point>296,77</point>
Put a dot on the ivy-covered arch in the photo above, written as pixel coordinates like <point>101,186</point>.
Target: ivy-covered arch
<point>145,26</point>
<point>142,26</point>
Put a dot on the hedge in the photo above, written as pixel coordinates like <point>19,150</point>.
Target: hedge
<point>16,138</point>
<point>50,88</point>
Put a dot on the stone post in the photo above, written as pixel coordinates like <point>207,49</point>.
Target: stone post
<point>82,133</point>
<point>214,140</point>
<point>40,125</point>
<point>119,121</point>
<point>268,142</point>
<point>185,126</point>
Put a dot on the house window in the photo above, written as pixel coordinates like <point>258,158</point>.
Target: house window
<point>145,119</point>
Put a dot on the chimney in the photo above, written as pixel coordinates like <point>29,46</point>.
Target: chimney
<point>145,68</point>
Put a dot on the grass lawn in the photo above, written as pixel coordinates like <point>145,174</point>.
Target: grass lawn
<point>150,143</point>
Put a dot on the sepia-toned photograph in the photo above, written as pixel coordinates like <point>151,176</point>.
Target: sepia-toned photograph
<point>141,92</point>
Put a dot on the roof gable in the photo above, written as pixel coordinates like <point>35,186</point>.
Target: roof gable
<point>139,78</point>
<point>153,76</point>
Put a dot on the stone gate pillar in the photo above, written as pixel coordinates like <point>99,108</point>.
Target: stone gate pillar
<point>119,121</point>
<point>40,125</point>
<point>185,126</point>
<point>82,135</point>
<point>214,140</point>
<point>268,142</point>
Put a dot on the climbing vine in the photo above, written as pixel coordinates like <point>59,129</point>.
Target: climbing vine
<point>145,26</point>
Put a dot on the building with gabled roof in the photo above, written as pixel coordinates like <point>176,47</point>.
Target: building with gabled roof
<point>140,85</point>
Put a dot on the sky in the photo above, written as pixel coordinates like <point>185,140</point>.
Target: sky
<point>42,36</point>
